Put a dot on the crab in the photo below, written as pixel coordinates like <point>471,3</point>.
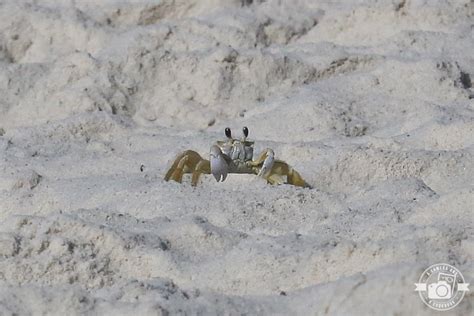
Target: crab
<point>234,156</point>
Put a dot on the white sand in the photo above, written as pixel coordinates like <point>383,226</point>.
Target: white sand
<point>371,101</point>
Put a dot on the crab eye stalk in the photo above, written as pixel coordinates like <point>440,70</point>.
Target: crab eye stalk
<point>246,131</point>
<point>228,133</point>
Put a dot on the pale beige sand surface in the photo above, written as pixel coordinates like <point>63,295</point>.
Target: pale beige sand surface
<point>371,101</point>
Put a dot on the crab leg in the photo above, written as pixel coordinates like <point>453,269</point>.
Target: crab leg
<point>274,170</point>
<point>186,162</point>
<point>203,166</point>
<point>281,168</point>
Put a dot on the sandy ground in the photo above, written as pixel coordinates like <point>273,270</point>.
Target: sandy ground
<point>371,101</point>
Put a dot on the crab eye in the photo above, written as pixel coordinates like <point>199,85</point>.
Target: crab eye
<point>228,132</point>
<point>246,131</point>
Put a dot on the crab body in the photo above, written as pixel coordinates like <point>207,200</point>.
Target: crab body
<point>233,156</point>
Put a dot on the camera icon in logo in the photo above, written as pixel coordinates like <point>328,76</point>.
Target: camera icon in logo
<point>443,289</point>
<point>440,290</point>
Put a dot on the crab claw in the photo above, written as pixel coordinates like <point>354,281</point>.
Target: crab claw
<point>218,164</point>
<point>267,163</point>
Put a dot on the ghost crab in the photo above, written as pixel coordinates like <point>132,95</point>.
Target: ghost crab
<point>233,156</point>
